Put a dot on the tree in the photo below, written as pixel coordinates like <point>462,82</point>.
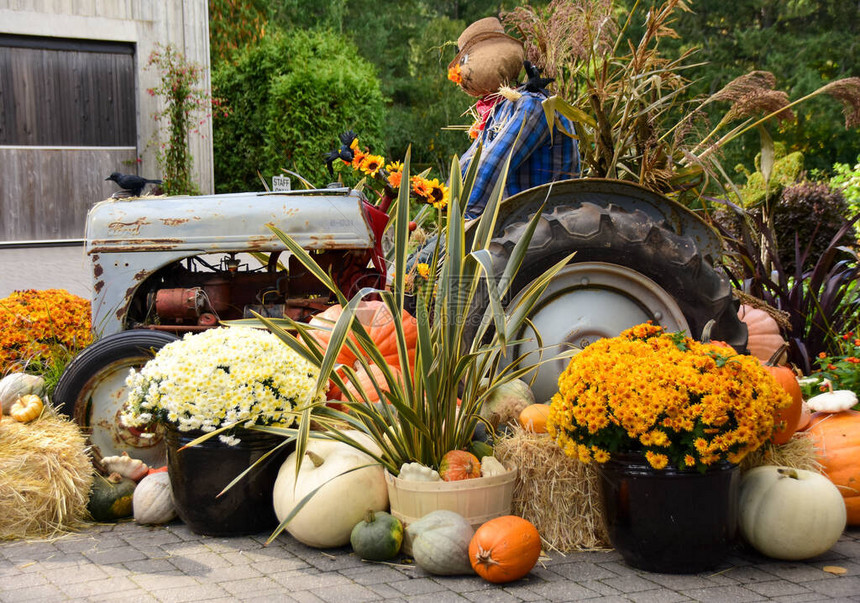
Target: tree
<point>290,96</point>
<point>804,43</point>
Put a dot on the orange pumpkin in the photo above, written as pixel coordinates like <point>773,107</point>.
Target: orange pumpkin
<point>533,418</point>
<point>364,379</point>
<point>765,337</point>
<point>459,464</point>
<point>377,320</point>
<point>837,444</point>
<point>326,320</point>
<point>504,549</point>
<point>786,419</point>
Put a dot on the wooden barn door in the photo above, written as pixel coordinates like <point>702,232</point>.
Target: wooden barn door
<point>68,118</point>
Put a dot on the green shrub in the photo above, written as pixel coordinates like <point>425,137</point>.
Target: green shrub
<point>290,96</point>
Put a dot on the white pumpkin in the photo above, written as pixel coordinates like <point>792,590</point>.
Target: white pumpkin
<point>439,542</point>
<point>788,513</point>
<point>342,501</point>
<point>16,385</point>
<point>152,501</point>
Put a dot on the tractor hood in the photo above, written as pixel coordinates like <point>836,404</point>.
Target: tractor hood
<point>316,219</point>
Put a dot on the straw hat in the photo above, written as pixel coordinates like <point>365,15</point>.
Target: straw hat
<point>487,56</point>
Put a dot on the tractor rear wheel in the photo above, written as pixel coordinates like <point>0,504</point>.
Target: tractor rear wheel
<point>629,268</point>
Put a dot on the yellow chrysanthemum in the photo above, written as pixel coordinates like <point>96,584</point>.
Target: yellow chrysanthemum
<point>674,399</point>
<point>423,270</point>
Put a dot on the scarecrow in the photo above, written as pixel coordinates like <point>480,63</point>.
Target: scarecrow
<point>509,119</point>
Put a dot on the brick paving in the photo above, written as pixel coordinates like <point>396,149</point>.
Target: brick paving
<point>128,562</point>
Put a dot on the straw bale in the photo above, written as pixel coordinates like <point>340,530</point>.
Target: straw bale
<point>797,453</point>
<point>45,477</point>
<point>558,494</point>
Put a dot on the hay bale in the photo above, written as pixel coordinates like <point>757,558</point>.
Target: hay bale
<point>558,494</point>
<point>45,477</point>
<point>797,453</point>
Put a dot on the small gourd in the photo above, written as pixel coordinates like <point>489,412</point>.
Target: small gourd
<point>152,500</point>
<point>111,497</point>
<point>832,401</point>
<point>15,385</point>
<point>491,466</point>
<point>789,514</point>
<point>439,542</point>
<point>459,464</point>
<point>377,537</point>
<point>26,408</point>
<point>533,418</point>
<point>416,472</point>
<point>126,466</point>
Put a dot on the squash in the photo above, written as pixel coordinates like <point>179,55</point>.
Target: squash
<point>505,403</point>
<point>786,420</point>
<point>439,542</point>
<point>152,501</point>
<point>832,401</point>
<point>342,499</point>
<point>533,418</point>
<point>504,549</point>
<point>126,466</point>
<point>765,337</point>
<point>416,472</point>
<point>459,464</point>
<point>26,408</point>
<point>111,497</point>
<point>789,514</point>
<point>837,445</point>
<point>491,467</point>
<point>16,385</point>
<point>377,537</point>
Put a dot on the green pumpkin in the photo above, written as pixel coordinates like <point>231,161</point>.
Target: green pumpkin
<point>111,497</point>
<point>377,537</point>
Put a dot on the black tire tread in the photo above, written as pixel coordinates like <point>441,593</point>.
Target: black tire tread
<point>639,242</point>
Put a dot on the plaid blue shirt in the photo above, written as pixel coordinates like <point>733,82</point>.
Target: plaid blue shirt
<point>535,161</point>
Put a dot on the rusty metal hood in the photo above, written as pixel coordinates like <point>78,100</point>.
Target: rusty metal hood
<point>317,219</point>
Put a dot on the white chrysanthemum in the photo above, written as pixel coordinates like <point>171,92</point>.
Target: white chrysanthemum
<point>220,377</point>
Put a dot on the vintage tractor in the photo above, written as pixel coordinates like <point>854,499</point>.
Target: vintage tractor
<point>167,266</point>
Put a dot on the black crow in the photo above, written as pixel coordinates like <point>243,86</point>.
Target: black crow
<point>131,183</point>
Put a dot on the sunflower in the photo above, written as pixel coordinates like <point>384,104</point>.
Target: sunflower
<point>437,194</point>
<point>371,164</point>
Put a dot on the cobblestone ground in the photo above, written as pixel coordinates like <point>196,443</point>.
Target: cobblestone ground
<point>127,562</point>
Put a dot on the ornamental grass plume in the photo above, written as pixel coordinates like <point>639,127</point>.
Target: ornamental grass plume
<point>39,324</point>
<point>218,380</point>
<point>667,396</point>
